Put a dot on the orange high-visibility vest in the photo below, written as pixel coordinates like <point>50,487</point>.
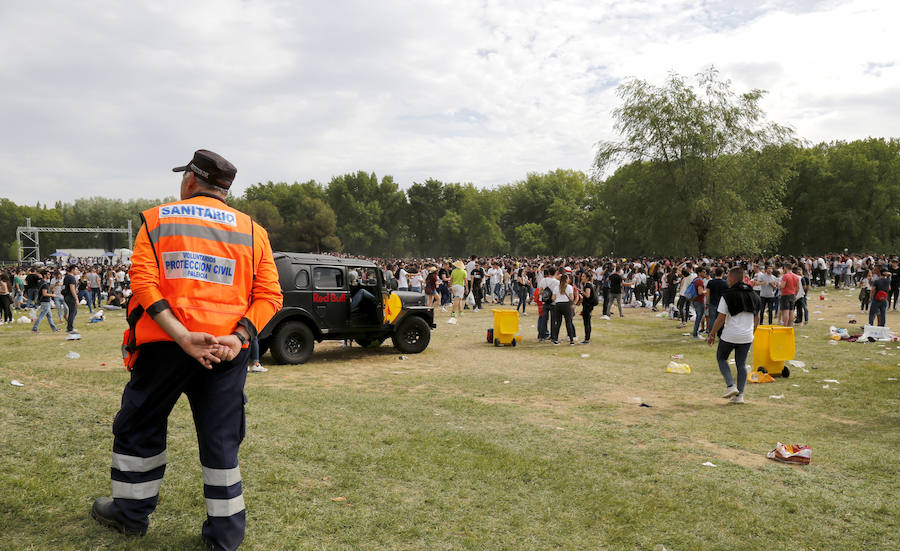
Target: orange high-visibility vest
<point>205,257</point>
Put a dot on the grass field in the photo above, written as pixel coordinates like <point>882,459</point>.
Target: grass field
<point>467,446</point>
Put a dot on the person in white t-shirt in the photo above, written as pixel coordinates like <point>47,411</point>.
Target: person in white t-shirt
<point>737,313</point>
<point>402,279</point>
<point>496,276</point>
<point>543,324</point>
<point>416,280</point>
<point>563,295</point>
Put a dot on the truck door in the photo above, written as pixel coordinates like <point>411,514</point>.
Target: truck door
<point>330,297</point>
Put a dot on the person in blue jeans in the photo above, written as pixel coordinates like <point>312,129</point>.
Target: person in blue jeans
<point>44,300</point>
<point>881,290</point>
<point>697,302</point>
<point>738,321</point>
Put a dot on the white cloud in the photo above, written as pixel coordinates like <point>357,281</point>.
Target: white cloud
<point>102,98</point>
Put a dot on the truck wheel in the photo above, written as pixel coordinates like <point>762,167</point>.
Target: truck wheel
<point>786,372</point>
<point>366,342</point>
<point>412,336</point>
<point>292,343</point>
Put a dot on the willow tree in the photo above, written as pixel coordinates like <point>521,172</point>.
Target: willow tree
<point>698,139</point>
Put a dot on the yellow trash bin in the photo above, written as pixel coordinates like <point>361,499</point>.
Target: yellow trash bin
<point>773,345</point>
<point>506,325</point>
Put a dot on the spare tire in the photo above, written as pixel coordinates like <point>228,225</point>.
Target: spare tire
<point>292,343</point>
<point>412,335</point>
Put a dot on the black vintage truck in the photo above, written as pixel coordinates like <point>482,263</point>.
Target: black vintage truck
<point>331,298</point>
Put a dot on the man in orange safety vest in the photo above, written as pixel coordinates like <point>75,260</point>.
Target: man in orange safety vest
<point>203,282</point>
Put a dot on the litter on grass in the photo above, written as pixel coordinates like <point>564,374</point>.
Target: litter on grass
<point>506,382</point>
<point>23,319</point>
<point>73,337</point>
<point>677,356</point>
<point>585,355</point>
<point>776,397</point>
<point>831,381</point>
<point>798,386</point>
<point>402,358</point>
<point>826,386</point>
<point>757,377</point>
<point>892,378</point>
<point>709,464</point>
<point>73,355</point>
<point>452,321</point>
<point>603,317</point>
<point>798,454</point>
<point>797,363</point>
<point>675,367</point>
<point>15,382</point>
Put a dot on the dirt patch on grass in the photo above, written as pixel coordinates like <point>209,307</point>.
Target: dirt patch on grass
<point>842,421</point>
<point>733,455</point>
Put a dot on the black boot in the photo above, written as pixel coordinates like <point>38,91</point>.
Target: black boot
<point>105,512</point>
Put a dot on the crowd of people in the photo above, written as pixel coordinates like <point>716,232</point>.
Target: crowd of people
<point>40,290</point>
<point>688,289</point>
<point>725,298</point>
<point>88,283</point>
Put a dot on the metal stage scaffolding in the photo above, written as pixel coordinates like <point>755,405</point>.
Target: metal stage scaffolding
<point>29,239</point>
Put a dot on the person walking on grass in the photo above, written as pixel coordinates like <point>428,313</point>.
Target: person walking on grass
<point>458,284</point>
<point>563,297</point>
<point>44,300</point>
<point>588,302</point>
<point>5,298</point>
<point>616,281</point>
<point>737,319</point>
<point>70,294</point>
<point>789,285</point>
<point>881,290</point>
<point>698,301</point>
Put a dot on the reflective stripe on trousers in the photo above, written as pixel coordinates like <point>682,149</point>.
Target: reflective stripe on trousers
<point>222,490</point>
<point>137,477</point>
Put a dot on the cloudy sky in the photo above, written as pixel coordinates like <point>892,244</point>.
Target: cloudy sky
<point>104,97</point>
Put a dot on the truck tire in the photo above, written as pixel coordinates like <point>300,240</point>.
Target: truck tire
<point>412,335</point>
<point>292,343</point>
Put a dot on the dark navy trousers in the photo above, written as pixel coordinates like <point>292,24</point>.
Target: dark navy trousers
<point>161,374</point>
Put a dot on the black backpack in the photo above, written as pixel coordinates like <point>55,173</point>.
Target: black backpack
<point>547,295</point>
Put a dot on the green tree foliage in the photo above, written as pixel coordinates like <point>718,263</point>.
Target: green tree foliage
<point>297,216</point>
<point>845,195</point>
<point>530,239</point>
<point>558,202</point>
<point>749,199</point>
<point>426,207</point>
<point>480,212</point>
<point>696,137</point>
<point>451,235</point>
<point>370,215</point>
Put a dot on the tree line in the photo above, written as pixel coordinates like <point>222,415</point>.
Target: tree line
<point>698,170</point>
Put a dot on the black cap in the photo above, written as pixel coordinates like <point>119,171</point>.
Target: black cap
<point>210,167</point>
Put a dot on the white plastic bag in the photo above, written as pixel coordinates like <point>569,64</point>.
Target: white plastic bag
<point>470,299</point>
